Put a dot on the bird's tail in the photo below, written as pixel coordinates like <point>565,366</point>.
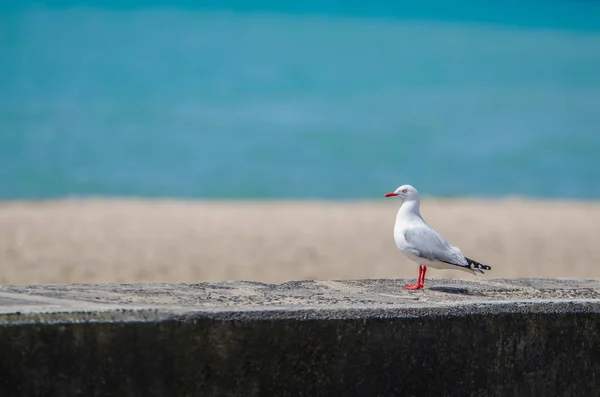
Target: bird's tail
<point>476,266</point>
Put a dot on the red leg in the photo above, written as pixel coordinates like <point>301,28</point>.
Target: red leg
<point>420,279</point>
<point>422,284</point>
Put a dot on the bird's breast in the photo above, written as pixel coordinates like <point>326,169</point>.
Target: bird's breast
<point>400,239</point>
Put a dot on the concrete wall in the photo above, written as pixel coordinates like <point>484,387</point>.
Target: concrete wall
<point>474,347</point>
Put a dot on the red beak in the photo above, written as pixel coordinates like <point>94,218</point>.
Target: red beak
<point>390,194</point>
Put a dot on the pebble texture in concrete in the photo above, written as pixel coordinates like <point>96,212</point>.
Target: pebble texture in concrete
<point>360,337</point>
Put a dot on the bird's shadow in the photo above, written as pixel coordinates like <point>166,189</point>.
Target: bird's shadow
<point>456,290</point>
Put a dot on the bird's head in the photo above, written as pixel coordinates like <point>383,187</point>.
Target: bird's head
<point>404,192</point>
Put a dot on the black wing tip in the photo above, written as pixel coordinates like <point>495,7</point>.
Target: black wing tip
<point>476,265</point>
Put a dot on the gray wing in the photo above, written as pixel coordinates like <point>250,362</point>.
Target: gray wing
<point>429,244</point>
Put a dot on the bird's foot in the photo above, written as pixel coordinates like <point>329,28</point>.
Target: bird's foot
<point>414,286</point>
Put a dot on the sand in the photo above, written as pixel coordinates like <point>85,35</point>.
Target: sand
<point>100,241</point>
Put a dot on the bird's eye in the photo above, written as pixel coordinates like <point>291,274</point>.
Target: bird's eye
<point>404,191</point>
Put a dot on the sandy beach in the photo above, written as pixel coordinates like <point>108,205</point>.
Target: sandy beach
<point>98,240</point>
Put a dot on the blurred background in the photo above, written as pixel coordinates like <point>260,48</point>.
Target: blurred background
<point>206,140</point>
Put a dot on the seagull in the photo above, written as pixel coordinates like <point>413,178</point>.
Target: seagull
<point>422,244</point>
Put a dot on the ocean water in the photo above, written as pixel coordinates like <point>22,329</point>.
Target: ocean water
<point>323,99</point>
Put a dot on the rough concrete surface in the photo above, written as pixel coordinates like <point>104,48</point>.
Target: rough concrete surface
<point>357,337</point>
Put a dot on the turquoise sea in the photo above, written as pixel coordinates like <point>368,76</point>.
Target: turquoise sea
<point>317,99</point>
